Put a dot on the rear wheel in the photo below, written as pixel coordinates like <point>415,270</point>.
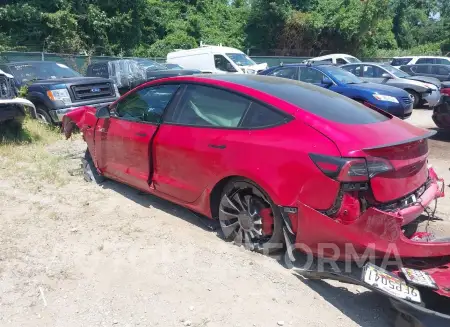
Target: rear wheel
<point>248,217</point>
<point>90,172</point>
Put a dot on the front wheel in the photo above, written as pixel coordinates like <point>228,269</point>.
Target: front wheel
<point>90,172</point>
<point>416,97</point>
<point>43,116</point>
<point>248,217</point>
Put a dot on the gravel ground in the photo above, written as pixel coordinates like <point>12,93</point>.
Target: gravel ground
<point>76,254</point>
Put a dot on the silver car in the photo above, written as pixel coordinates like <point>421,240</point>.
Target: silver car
<point>422,92</point>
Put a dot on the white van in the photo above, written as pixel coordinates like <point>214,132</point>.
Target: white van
<point>215,59</point>
<point>337,59</point>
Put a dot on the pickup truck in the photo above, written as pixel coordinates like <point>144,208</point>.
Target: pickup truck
<point>12,108</point>
<point>56,89</point>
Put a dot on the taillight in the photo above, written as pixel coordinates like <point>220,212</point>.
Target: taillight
<point>351,169</point>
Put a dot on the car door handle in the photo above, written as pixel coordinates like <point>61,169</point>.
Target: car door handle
<point>217,146</point>
<point>141,134</point>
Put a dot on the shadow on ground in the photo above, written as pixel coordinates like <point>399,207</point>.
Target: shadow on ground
<point>148,200</point>
<point>367,309</point>
<point>441,135</point>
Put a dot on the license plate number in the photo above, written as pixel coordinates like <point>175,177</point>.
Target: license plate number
<point>392,285</point>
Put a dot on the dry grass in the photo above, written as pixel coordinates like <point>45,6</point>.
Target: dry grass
<point>24,152</point>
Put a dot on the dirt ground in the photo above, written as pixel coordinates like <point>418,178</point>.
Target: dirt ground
<point>76,254</point>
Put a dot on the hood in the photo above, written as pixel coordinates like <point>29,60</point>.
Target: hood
<point>379,88</point>
<point>256,68</point>
<point>425,79</point>
<point>71,80</point>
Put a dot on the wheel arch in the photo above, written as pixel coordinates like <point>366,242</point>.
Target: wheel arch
<point>217,189</point>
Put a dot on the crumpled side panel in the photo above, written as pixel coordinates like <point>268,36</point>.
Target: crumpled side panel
<point>126,73</point>
<point>83,117</point>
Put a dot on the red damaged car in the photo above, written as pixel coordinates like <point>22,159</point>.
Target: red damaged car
<point>275,161</point>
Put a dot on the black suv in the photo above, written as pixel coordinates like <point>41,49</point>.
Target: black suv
<point>129,73</point>
<point>441,72</point>
<point>56,89</point>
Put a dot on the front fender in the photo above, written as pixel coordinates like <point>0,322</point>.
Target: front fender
<point>84,118</point>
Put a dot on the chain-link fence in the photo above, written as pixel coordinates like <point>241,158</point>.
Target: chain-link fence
<point>80,62</point>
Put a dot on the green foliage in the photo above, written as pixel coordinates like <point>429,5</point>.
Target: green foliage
<point>155,27</point>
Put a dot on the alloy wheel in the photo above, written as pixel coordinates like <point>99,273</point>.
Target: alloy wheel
<point>242,215</point>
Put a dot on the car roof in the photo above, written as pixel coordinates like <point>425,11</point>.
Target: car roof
<point>417,57</point>
<point>29,62</point>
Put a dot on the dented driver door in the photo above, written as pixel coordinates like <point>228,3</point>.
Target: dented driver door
<point>123,141</point>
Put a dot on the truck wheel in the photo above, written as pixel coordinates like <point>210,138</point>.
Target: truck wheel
<point>248,217</point>
<point>43,116</point>
<point>90,172</point>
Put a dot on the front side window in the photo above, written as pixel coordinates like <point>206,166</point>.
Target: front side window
<point>209,107</point>
<point>222,63</point>
<point>146,105</point>
<point>285,72</point>
<point>354,69</point>
<point>311,75</point>
<point>341,61</point>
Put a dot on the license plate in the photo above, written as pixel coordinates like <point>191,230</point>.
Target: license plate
<point>418,277</point>
<point>381,279</point>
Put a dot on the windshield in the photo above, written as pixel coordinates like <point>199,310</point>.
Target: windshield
<point>173,66</point>
<point>343,76</point>
<point>400,61</point>
<point>41,70</point>
<point>352,59</point>
<point>395,71</point>
<point>150,64</point>
<point>241,59</point>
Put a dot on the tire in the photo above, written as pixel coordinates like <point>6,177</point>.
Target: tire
<point>43,116</point>
<point>90,172</point>
<point>243,210</point>
<point>416,97</point>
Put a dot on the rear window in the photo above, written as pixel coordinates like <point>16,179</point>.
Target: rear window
<point>400,61</point>
<point>314,99</point>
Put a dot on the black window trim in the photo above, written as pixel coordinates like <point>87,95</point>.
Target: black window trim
<point>287,117</point>
<point>113,112</point>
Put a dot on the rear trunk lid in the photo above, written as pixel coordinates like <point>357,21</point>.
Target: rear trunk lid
<point>403,145</point>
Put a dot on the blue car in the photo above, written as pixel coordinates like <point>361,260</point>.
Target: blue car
<point>391,99</point>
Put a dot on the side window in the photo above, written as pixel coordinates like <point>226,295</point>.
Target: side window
<point>222,63</point>
<point>354,69</point>
<point>98,70</point>
<point>443,61</point>
<point>422,69</point>
<point>440,70</point>
<point>425,61</point>
<point>286,72</point>
<point>208,106</point>
<point>340,61</point>
<point>372,71</point>
<point>310,75</point>
<point>260,116</point>
<point>146,105</point>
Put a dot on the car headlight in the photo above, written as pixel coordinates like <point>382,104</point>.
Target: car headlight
<point>387,98</point>
<point>116,89</point>
<point>59,95</point>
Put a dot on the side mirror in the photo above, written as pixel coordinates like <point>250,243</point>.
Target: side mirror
<point>230,68</point>
<point>103,112</point>
<point>386,76</point>
<point>326,81</point>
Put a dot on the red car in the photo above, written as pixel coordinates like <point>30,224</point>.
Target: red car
<point>274,160</point>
